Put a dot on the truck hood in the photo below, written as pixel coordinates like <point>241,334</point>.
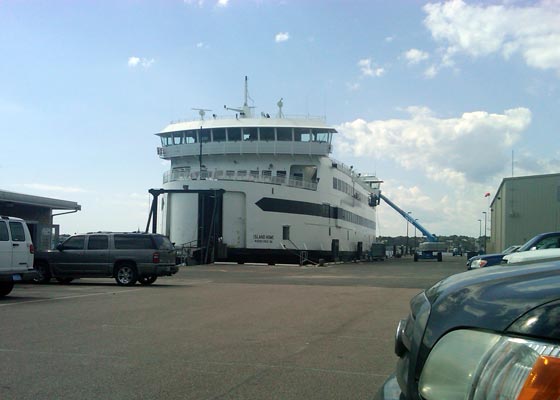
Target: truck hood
<point>490,298</point>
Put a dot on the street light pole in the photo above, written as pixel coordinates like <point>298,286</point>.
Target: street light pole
<point>479,232</point>
<point>484,212</point>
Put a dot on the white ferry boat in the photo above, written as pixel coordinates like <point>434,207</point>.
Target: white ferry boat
<point>256,188</point>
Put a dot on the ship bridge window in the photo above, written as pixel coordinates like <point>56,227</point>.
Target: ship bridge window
<point>266,133</point>
<point>219,134</point>
<point>234,134</point>
<point>284,134</point>
<point>205,136</point>
<point>302,134</point>
<point>190,137</point>
<point>250,134</point>
<point>178,138</point>
<point>322,135</point>
<point>166,140</point>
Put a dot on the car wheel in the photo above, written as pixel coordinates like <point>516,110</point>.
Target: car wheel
<point>415,257</point>
<point>147,280</point>
<point>44,273</point>
<point>6,287</point>
<point>64,281</point>
<point>439,257</point>
<point>125,275</point>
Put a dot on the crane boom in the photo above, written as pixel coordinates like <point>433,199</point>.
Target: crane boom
<point>405,215</point>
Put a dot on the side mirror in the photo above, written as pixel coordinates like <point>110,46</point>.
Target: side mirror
<point>60,247</point>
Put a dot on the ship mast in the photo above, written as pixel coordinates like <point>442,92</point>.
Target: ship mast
<point>245,111</point>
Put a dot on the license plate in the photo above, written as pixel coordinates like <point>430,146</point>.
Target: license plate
<point>16,277</point>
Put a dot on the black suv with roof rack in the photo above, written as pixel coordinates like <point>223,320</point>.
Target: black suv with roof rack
<point>127,257</point>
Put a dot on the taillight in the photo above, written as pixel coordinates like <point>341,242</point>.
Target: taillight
<point>31,248</point>
<point>155,258</point>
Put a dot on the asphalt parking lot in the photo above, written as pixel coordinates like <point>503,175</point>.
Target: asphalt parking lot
<point>222,331</point>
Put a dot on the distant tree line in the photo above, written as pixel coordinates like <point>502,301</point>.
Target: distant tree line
<point>466,243</point>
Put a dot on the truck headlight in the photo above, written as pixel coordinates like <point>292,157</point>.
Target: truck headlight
<point>478,263</point>
<point>468,364</point>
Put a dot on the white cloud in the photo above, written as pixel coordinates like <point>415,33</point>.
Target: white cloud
<point>222,3</point>
<point>367,69</point>
<point>474,147</point>
<point>454,161</point>
<point>134,62</point>
<point>414,56</point>
<point>200,45</point>
<point>389,39</point>
<point>479,30</point>
<point>282,37</point>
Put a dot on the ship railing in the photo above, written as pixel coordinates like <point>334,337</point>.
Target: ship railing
<point>349,170</point>
<point>243,176</point>
<point>185,251</point>
<point>212,117</point>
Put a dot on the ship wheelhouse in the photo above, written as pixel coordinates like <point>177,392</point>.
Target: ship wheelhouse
<point>239,149</point>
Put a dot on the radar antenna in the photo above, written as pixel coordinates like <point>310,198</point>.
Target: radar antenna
<point>201,112</point>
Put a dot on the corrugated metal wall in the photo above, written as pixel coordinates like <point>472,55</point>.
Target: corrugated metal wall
<point>523,208</point>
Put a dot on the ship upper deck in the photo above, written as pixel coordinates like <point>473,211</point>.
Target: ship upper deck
<point>264,135</point>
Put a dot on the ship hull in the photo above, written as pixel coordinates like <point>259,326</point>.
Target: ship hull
<point>266,223</point>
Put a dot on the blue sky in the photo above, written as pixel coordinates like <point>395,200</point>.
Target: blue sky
<point>431,96</point>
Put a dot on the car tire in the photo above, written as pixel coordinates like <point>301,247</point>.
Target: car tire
<point>126,275</point>
<point>147,280</point>
<point>439,257</point>
<point>6,287</point>
<point>44,273</point>
<point>415,257</point>
<point>64,281</point>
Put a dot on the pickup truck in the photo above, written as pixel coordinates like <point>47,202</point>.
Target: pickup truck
<point>127,257</point>
<point>486,334</point>
<point>16,253</point>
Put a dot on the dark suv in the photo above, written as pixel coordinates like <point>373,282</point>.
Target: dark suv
<point>127,257</point>
<point>481,335</point>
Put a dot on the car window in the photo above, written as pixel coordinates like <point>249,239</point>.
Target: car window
<point>131,242</point>
<point>18,234</point>
<point>551,242</point>
<point>4,237</point>
<point>163,243</point>
<point>98,242</point>
<point>74,243</point>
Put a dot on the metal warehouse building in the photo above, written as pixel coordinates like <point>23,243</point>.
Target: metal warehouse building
<point>524,207</point>
<point>38,214</point>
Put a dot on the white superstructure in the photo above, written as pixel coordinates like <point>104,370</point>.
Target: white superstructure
<point>267,190</point>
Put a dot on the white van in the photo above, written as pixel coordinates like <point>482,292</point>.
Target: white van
<point>16,253</point>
